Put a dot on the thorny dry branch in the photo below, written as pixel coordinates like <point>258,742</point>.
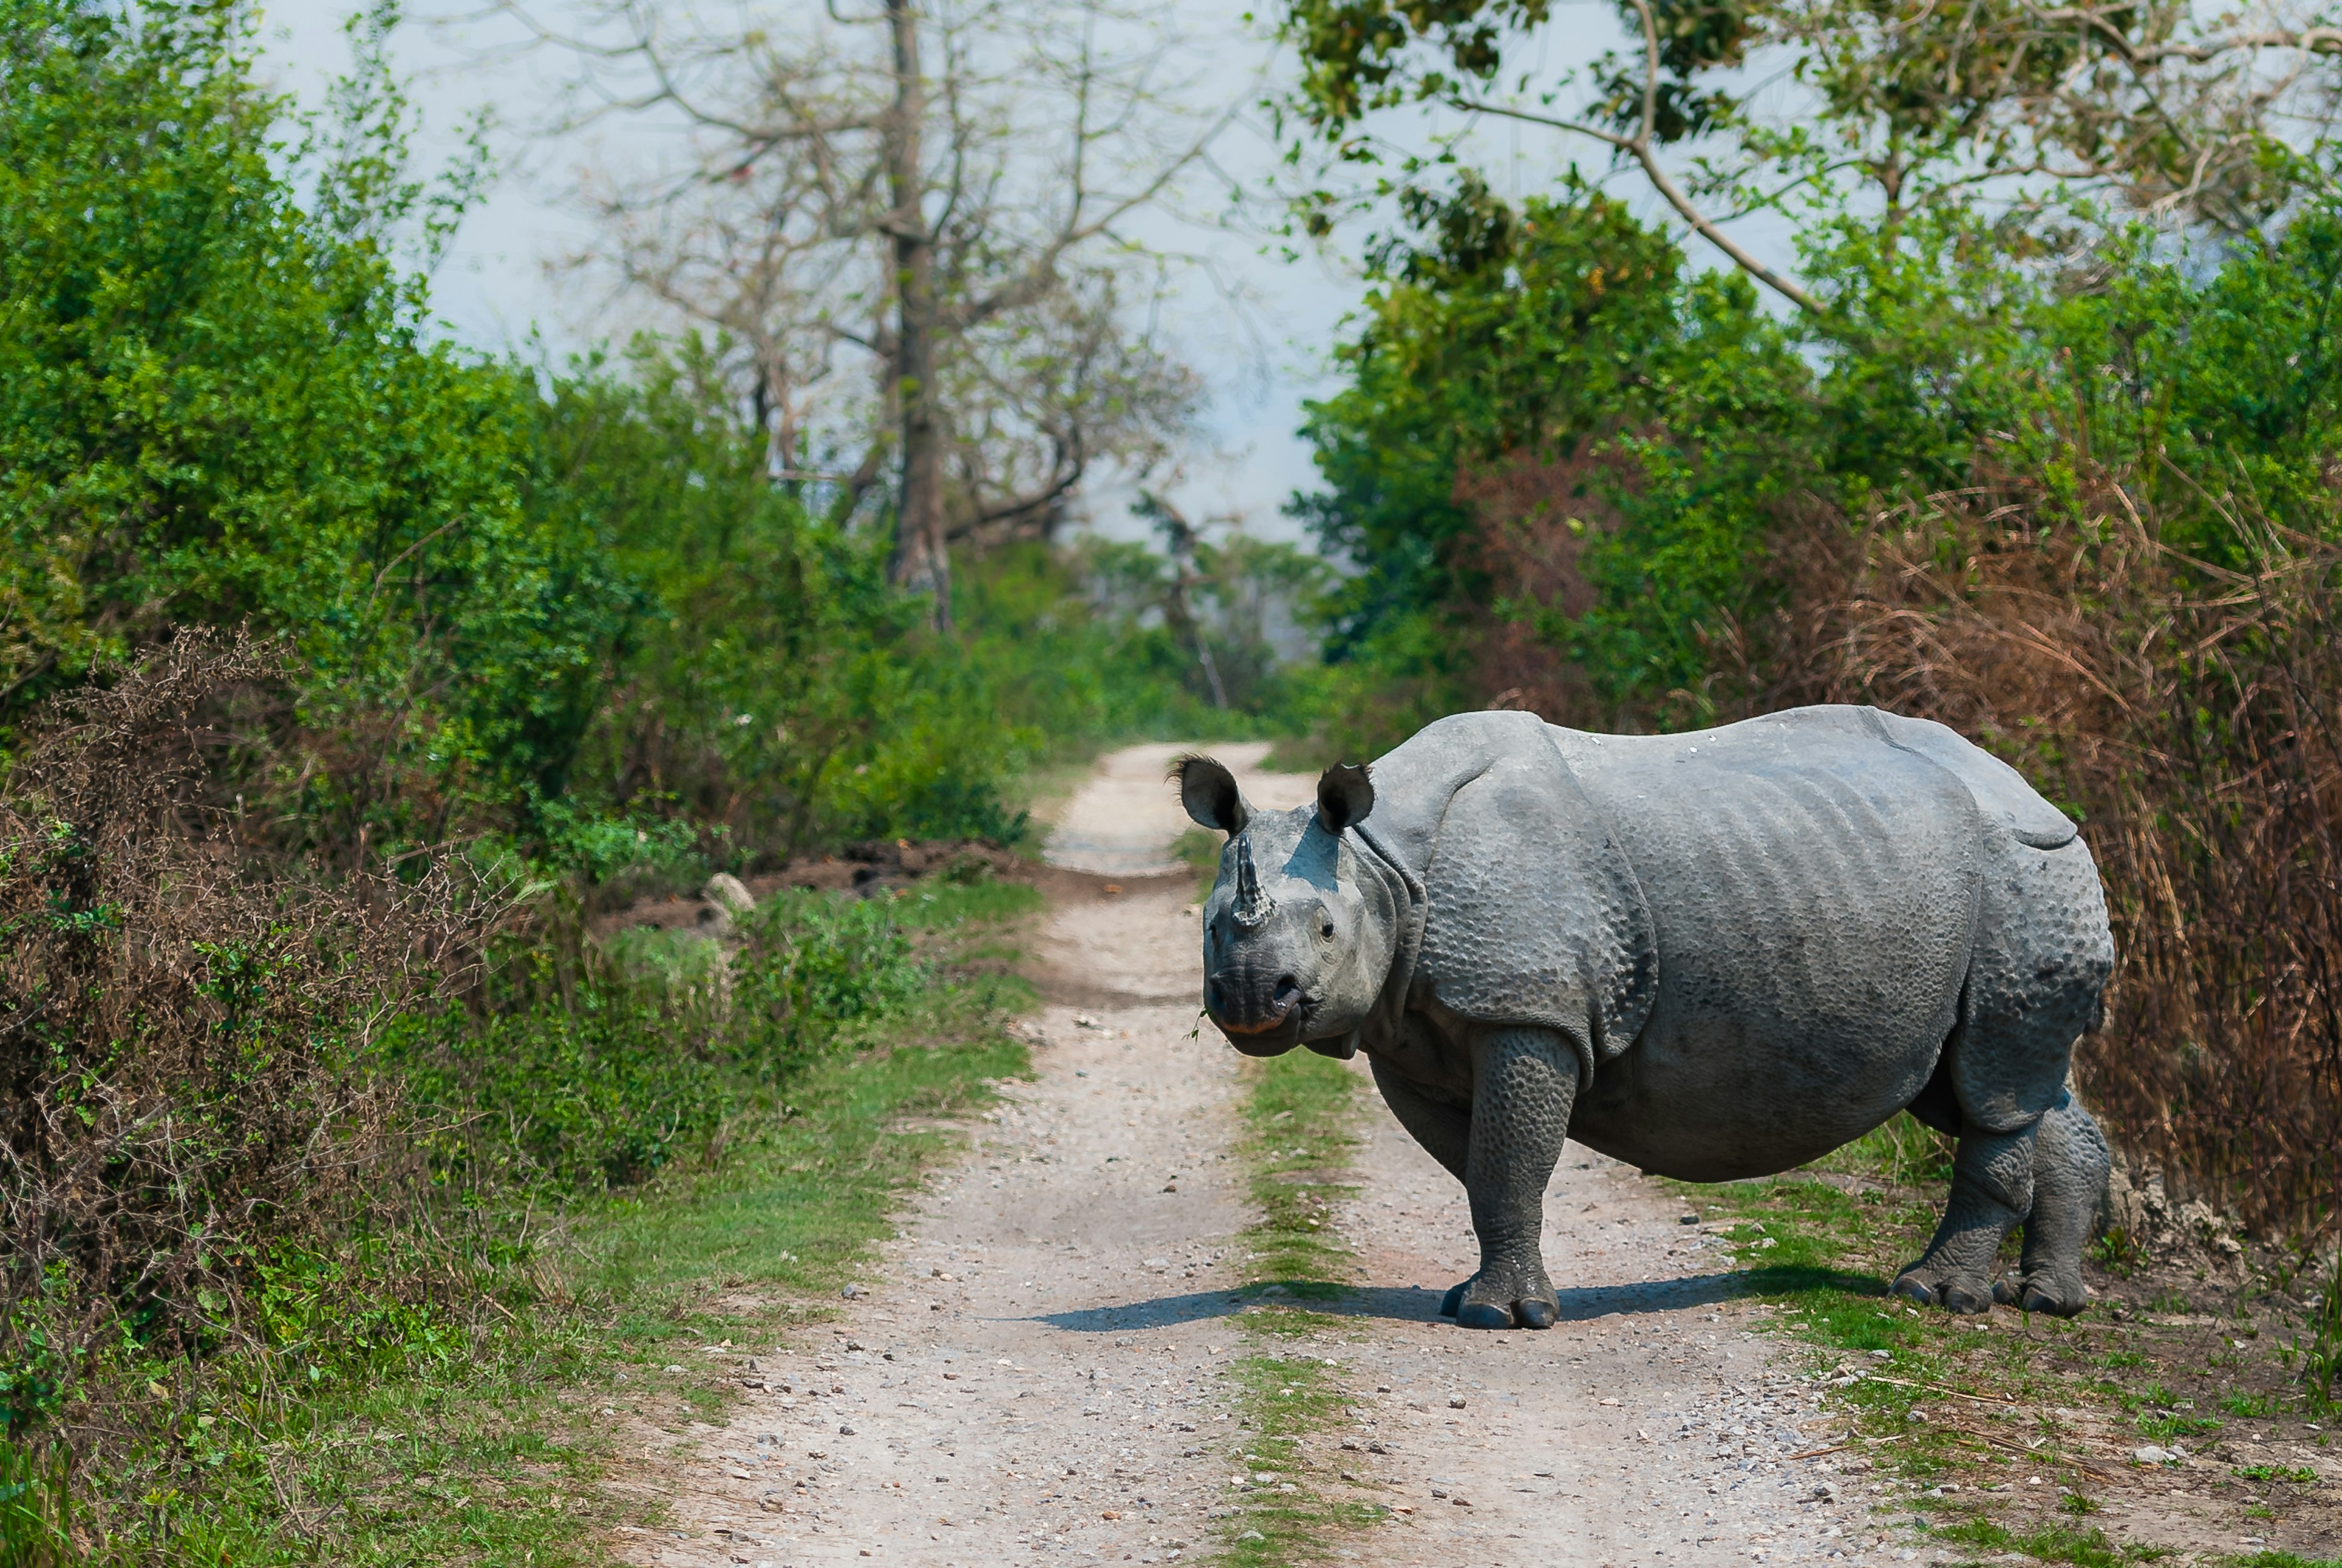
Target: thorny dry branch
<point>184,1027</point>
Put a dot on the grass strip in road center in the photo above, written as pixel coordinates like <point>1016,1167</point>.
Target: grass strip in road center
<point>1300,1118</point>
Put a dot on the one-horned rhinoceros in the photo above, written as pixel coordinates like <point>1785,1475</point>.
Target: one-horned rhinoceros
<point>1711,956</point>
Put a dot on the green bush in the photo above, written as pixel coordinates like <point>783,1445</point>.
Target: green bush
<point>1555,439</point>
<point>219,403</point>
<point>637,1058</point>
<point>812,967</point>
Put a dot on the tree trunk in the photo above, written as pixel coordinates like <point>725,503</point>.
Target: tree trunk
<point>922,560</point>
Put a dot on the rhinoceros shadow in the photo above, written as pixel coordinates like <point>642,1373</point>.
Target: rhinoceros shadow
<point>1415,1304</point>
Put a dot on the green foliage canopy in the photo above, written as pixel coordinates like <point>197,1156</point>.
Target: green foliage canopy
<point>562,608</point>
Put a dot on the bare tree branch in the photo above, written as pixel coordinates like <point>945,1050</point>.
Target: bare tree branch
<point>942,194</point>
<point>1641,147</point>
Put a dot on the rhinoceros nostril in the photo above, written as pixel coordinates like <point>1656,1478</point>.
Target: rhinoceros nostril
<point>1287,992</point>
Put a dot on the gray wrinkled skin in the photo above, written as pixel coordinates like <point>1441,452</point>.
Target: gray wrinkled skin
<point>1711,956</point>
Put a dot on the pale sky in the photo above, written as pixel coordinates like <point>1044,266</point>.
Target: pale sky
<point>1260,363</point>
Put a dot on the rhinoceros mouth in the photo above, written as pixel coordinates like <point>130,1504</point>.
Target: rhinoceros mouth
<point>1283,1016</point>
<point>1291,1009</point>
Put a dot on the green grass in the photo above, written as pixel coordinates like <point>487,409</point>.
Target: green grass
<point>1825,1278</point>
<point>1287,1396</point>
<point>1301,1115</point>
<point>496,1459</point>
<point>984,909</point>
<point>35,1507</point>
<point>797,1209</point>
<point>1933,1397</point>
<point>488,1443</point>
<point>2049,1543</point>
<point>1903,1151</point>
<point>2297,1476</point>
<point>1842,1311</point>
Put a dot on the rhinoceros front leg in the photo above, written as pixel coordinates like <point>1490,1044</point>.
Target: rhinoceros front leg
<point>1992,1190</point>
<point>1524,1082</point>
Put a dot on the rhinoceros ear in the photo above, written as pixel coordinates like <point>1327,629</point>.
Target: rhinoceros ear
<point>1345,795</point>
<point>1209,793</point>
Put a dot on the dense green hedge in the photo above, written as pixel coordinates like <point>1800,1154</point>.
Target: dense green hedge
<point>1694,440</point>
<point>594,1080</point>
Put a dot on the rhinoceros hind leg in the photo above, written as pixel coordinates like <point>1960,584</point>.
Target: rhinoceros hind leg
<point>2069,1177</point>
<point>1992,1192</point>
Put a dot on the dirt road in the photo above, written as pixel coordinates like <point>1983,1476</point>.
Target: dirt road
<point>1034,1376</point>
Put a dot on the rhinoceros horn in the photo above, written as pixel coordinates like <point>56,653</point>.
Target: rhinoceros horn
<point>1252,905</point>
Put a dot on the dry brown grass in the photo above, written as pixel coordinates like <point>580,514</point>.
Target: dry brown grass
<point>2191,715</point>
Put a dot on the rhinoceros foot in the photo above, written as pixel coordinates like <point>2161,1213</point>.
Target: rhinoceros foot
<point>2043,1294</point>
<point>1953,1293</point>
<point>1484,1303</point>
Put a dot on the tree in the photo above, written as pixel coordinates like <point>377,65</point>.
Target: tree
<point>220,403</point>
<point>1900,105</point>
<point>947,193</point>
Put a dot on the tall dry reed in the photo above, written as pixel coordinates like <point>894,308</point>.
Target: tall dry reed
<point>2189,711</point>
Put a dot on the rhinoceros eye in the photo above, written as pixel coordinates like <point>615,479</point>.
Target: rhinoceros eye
<point>1325,929</point>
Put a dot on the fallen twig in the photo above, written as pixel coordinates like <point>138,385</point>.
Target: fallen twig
<point>1938,1388</point>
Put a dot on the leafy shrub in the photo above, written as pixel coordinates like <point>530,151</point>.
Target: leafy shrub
<point>599,1087</point>
<point>185,1033</point>
<point>813,966</point>
<point>601,1073</point>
